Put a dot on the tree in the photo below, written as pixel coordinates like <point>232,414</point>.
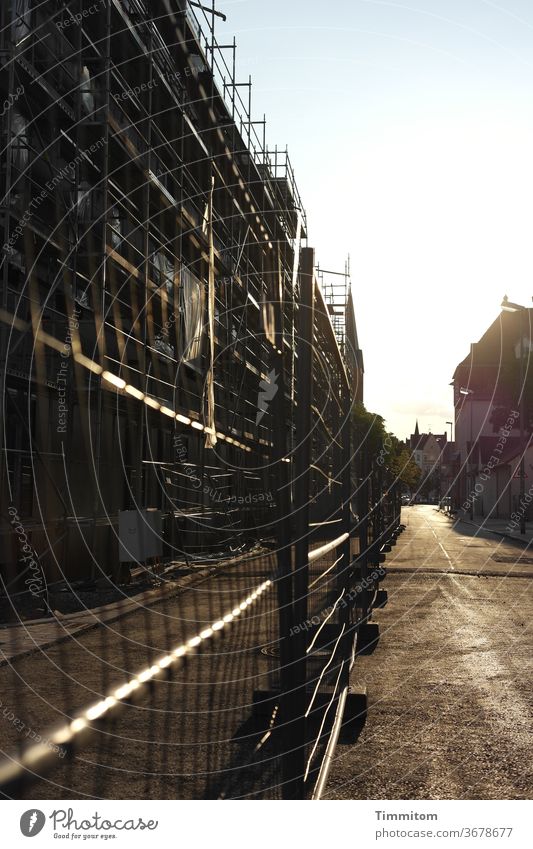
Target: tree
<point>383,448</point>
<point>405,469</point>
<point>368,431</point>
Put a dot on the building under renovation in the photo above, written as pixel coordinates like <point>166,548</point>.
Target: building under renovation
<point>151,245</point>
<point>178,379</point>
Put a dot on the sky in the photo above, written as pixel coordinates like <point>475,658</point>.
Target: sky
<point>410,128</point>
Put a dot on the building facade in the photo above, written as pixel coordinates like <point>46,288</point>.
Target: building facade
<point>493,398</point>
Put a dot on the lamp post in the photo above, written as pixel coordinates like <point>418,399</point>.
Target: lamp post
<point>468,392</point>
<point>450,476</point>
<point>451,430</point>
<point>508,306</point>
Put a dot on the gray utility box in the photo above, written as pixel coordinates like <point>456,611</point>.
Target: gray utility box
<point>139,535</point>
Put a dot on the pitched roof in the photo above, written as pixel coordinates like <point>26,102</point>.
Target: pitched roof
<point>418,441</point>
<point>514,449</point>
<point>494,353</point>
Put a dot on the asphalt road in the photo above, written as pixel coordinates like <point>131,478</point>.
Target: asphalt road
<point>450,682</point>
<point>435,543</point>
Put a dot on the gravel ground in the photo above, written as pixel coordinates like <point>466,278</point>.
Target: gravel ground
<point>190,736</point>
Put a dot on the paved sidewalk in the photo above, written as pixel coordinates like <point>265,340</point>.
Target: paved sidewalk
<point>502,527</point>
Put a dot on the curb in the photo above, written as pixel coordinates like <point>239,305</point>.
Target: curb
<point>522,542</point>
<point>410,570</point>
<point>134,601</point>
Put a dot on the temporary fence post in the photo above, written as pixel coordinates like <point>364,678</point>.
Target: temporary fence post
<point>300,524</point>
<point>379,502</point>
<point>346,548</point>
<point>283,538</point>
<point>363,509</point>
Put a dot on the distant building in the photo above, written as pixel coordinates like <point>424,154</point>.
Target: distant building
<point>426,449</point>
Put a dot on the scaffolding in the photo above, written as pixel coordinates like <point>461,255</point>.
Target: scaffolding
<point>336,287</point>
<point>338,295</point>
<point>148,227</point>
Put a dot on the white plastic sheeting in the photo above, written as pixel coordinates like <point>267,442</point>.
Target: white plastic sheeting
<point>20,142</point>
<point>21,26</point>
<point>86,88</point>
<point>193,295</point>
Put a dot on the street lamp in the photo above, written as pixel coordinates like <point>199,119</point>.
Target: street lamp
<point>508,306</point>
<point>448,497</point>
<point>467,392</point>
<point>451,430</point>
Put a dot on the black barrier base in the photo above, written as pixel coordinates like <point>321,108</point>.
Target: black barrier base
<point>378,559</point>
<point>381,599</point>
<point>355,713</point>
<point>367,638</point>
<point>324,637</point>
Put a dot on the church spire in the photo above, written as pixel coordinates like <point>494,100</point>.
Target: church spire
<point>417,431</point>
